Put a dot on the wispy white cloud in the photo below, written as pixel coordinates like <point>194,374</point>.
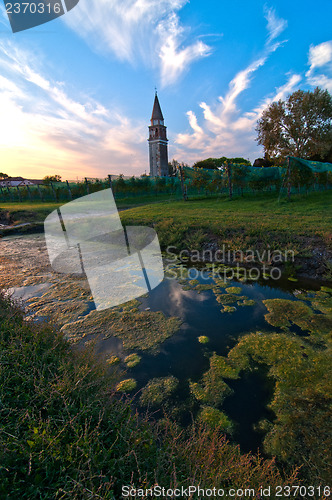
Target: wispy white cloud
<point>232,137</point>
<point>275,25</point>
<point>319,55</point>
<point>174,59</point>
<point>320,59</point>
<point>239,84</point>
<point>43,129</point>
<point>224,130</point>
<point>147,31</point>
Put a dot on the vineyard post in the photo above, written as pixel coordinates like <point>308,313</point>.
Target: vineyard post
<point>87,185</point>
<point>40,193</point>
<point>110,181</point>
<point>230,186</point>
<point>184,194</point>
<point>54,193</point>
<point>29,193</point>
<point>289,180</point>
<point>69,191</point>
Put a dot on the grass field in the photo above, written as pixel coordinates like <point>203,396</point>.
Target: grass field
<point>243,222</point>
<point>26,210</point>
<point>313,212</point>
<point>302,223</point>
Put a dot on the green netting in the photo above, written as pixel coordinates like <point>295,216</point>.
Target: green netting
<point>315,166</point>
<point>301,176</point>
<point>240,172</point>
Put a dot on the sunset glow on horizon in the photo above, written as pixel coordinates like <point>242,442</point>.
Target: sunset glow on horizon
<point>76,94</point>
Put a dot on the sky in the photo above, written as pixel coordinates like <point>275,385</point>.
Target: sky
<point>76,94</point>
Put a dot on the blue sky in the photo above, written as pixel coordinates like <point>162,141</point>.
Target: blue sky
<point>76,94</point>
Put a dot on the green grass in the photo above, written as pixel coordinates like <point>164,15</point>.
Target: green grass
<point>28,212</point>
<point>242,223</point>
<point>37,211</point>
<point>249,222</point>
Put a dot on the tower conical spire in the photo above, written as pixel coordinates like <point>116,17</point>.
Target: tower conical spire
<point>156,112</point>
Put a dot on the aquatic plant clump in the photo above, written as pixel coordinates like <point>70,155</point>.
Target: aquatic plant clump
<point>126,385</point>
<point>203,339</point>
<point>323,300</point>
<point>233,290</point>
<point>158,390</point>
<point>204,287</point>
<point>132,360</point>
<point>283,313</point>
<point>212,389</point>
<point>215,418</point>
<point>246,302</point>
<point>228,309</point>
<point>62,312</point>
<point>113,360</point>
<point>301,400</point>
<point>141,330</point>
<point>229,298</point>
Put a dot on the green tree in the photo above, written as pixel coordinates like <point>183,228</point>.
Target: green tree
<point>214,163</point>
<point>210,163</point>
<point>52,178</point>
<point>3,176</point>
<point>299,126</point>
<point>238,161</point>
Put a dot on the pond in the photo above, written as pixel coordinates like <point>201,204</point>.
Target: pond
<point>184,357</point>
<point>212,316</point>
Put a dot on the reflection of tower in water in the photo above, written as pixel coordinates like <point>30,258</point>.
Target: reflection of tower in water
<point>158,148</point>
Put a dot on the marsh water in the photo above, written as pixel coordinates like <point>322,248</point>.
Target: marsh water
<point>185,358</point>
<point>24,270</point>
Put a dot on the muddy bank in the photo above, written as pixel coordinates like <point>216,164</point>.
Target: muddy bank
<point>314,261</point>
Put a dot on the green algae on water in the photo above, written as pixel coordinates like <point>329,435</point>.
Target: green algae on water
<point>228,309</point>
<point>203,339</point>
<point>126,385</point>
<point>283,313</point>
<point>215,418</point>
<point>113,360</point>
<point>246,302</point>
<point>141,330</point>
<point>132,360</point>
<point>158,390</point>
<point>233,290</point>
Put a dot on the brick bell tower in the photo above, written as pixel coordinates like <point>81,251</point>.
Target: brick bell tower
<point>158,148</point>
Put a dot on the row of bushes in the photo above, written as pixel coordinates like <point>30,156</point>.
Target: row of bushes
<point>195,181</point>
